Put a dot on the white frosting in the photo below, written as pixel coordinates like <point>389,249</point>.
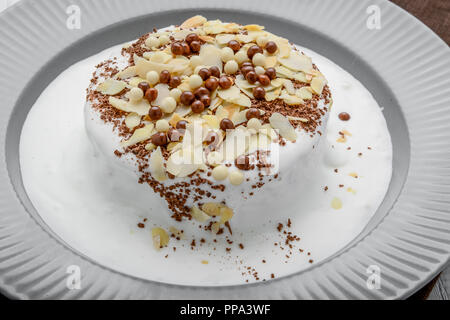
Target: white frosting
<point>94,203</point>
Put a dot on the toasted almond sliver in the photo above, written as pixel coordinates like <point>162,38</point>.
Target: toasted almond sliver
<point>132,120</point>
<point>157,165</point>
<point>160,238</point>
<point>194,22</point>
<point>139,135</point>
<point>281,123</point>
<point>199,215</point>
<point>111,87</point>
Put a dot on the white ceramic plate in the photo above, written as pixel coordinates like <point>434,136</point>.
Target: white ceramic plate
<point>404,65</point>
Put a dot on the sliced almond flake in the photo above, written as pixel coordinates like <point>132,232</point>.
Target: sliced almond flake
<point>139,135</point>
<point>194,22</point>
<point>211,56</point>
<point>239,117</point>
<point>179,66</point>
<point>242,83</point>
<point>268,131</point>
<point>214,27</point>
<point>232,27</point>
<point>111,87</point>
<point>141,108</point>
<point>291,99</point>
<point>304,120</point>
<point>277,83</point>
<point>304,93</point>
<point>225,38</point>
<point>132,120</point>
<point>215,227</point>
<point>143,66</point>
<point>208,39</point>
<point>127,73</point>
<point>318,83</point>
<point>215,103</point>
<point>199,215</point>
<point>160,238</point>
<point>300,76</point>
<point>232,109</point>
<point>180,34</point>
<point>271,62</point>
<point>253,27</point>
<point>226,214</point>
<point>273,95</point>
<point>212,121</point>
<point>212,209</point>
<point>284,72</point>
<point>173,164</point>
<point>281,123</point>
<point>234,95</point>
<point>297,62</point>
<point>235,144</point>
<point>171,146</point>
<point>289,86</point>
<point>221,113</point>
<point>158,56</point>
<point>157,165</point>
<point>150,147</point>
<point>163,92</point>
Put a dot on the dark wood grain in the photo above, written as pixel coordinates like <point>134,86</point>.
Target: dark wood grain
<point>434,13</point>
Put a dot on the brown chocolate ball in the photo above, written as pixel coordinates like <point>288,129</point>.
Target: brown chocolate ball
<point>197,106</point>
<point>155,113</point>
<point>195,46</point>
<point>264,80</point>
<point>204,73</point>
<point>252,113</point>
<point>215,71</point>
<point>271,47</point>
<point>181,125</point>
<point>192,37</point>
<point>159,139</point>
<point>344,116</point>
<point>186,48</point>
<point>254,50</point>
<point>247,64</point>
<point>164,77</point>
<point>211,84</point>
<point>187,97</point>
<point>234,45</point>
<point>226,124</point>
<point>202,91</point>
<point>259,93</point>
<point>175,81</point>
<point>251,77</point>
<point>271,73</point>
<point>225,82</point>
<point>151,94</point>
<point>144,86</point>
<point>243,162</point>
<point>177,49</point>
<point>247,69</point>
<point>206,100</point>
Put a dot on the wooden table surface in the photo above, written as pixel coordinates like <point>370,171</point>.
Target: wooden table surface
<point>436,15</point>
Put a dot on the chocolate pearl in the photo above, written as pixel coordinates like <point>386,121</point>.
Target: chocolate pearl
<point>271,73</point>
<point>204,73</point>
<point>197,106</point>
<point>264,80</point>
<point>202,91</point>
<point>215,71</point>
<point>243,162</point>
<point>226,124</point>
<point>344,116</point>
<point>159,139</point>
<point>211,137</point>
<point>175,81</point>
<point>271,47</point>
<point>206,100</point>
<point>247,64</point>
<point>211,84</point>
<point>187,97</point>
<point>164,77</point>
<point>181,125</point>
<point>155,113</point>
<point>225,82</point>
<point>192,37</point>
<point>144,86</point>
<point>174,135</point>
<point>234,45</point>
<point>177,48</point>
<point>252,113</point>
<point>151,94</point>
<point>254,50</point>
<point>195,46</point>
<point>259,93</point>
<point>247,69</point>
<point>186,48</point>
<point>251,77</point>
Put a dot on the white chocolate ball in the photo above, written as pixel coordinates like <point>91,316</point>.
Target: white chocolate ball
<point>236,178</point>
<point>241,57</point>
<point>168,105</point>
<point>152,42</point>
<point>152,77</point>
<point>162,126</point>
<point>220,173</point>
<point>259,60</point>
<point>135,94</point>
<point>254,124</point>
<point>231,67</point>
<point>176,94</point>
<point>227,54</point>
<point>195,81</point>
<point>196,61</point>
<point>260,70</point>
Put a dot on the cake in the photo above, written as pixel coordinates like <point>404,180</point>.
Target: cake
<point>214,117</point>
